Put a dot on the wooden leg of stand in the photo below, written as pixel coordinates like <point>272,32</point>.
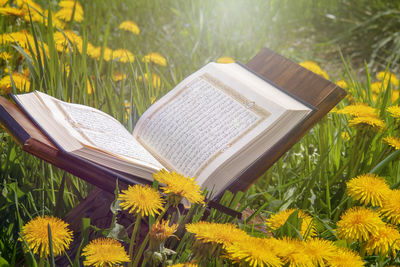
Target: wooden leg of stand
<point>95,206</point>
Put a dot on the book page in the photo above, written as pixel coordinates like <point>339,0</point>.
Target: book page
<point>198,124</point>
<point>98,130</point>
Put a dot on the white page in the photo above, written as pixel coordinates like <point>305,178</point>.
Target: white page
<point>96,129</point>
<point>197,125</point>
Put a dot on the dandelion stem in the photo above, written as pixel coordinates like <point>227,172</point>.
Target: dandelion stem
<point>146,239</point>
<point>41,261</point>
<point>133,237</point>
<point>52,262</point>
<point>385,161</point>
<point>359,158</point>
<point>352,156</point>
<point>362,250</point>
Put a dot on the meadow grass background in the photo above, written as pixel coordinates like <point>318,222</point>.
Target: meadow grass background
<point>351,40</point>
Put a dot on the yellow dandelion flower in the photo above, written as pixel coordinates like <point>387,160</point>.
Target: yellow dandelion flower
<point>225,60</point>
<point>279,219</point>
<point>5,56</point>
<point>156,79</point>
<point>359,110</point>
<point>94,52</point>
<point>90,89</point>
<point>376,87</point>
<point>73,37</point>
<point>108,54</point>
<point>368,121</point>
<point>67,8</point>
<point>391,207</point>
<point>342,83</point>
<point>129,26</point>
<point>358,223</point>
<point>375,97</point>
<point>123,55</point>
<point>56,22</point>
<point>104,252</point>
<point>160,231</point>
<point>368,189</point>
<point>156,58</point>
<point>75,40</point>
<point>36,17</point>
<point>35,233</point>
<point>395,95</point>
<point>388,76</point>
<point>255,251</point>
<point>394,111</point>
<point>69,4</point>
<point>319,250</point>
<point>292,253</point>
<point>61,42</point>
<point>23,39</point>
<point>392,141</point>
<point>21,82</point>
<point>33,8</point>
<point>346,258</point>
<point>12,11</point>
<point>314,67</point>
<point>345,136</point>
<point>141,199</point>
<point>180,186</point>
<point>219,233</point>
<point>68,39</point>
<point>385,241</point>
<point>152,100</point>
<point>380,87</point>
<point>33,11</point>
<point>25,4</point>
<point>118,76</point>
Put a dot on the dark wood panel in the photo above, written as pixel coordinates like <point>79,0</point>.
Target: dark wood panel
<point>304,84</point>
<point>293,78</point>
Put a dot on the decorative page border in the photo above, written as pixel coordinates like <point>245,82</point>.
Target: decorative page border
<point>258,110</point>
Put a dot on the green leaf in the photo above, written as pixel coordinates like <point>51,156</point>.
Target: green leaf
<point>60,205</point>
<point>3,262</point>
<point>85,230</point>
<point>292,226</point>
<point>52,262</point>
<point>118,232</point>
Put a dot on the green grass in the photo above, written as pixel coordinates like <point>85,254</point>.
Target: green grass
<point>311,176</point>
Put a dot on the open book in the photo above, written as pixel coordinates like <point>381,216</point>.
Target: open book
<point>212,126</point>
